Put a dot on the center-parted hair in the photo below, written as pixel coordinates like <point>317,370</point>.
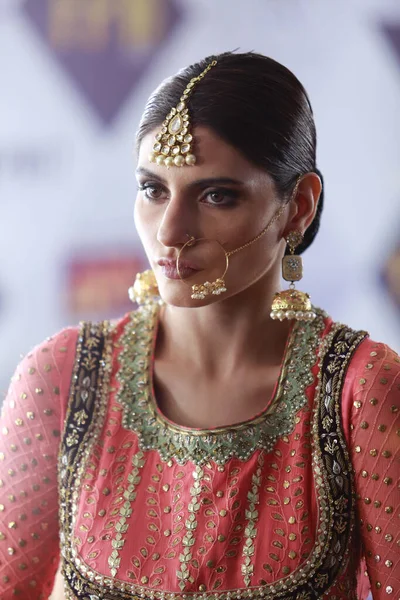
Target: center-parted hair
<point>255,104</point>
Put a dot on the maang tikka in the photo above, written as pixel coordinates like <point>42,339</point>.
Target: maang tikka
<point>173,145</point>
<point>291,303</point>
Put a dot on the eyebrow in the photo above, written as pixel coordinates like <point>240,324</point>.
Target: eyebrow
<point>198,183</point>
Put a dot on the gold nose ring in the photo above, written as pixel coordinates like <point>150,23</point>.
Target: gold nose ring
<point>201,290</point>
<point>190,240</point>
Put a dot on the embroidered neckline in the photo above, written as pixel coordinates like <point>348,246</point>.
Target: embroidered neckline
<point>185,430</point>
<point>240,440</point>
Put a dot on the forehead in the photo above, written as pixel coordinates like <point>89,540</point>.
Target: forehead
<point>214,158</point>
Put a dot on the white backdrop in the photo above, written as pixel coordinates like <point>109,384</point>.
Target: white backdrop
<point>67,179</point>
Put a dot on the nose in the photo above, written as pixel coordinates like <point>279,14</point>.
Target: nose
<point>176,224</point>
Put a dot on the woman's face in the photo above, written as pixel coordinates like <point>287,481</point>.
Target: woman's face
<point>223,199</point>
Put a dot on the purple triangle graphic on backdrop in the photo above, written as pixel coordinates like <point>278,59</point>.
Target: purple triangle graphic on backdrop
<point>105,46</point>
<point>392,32</point>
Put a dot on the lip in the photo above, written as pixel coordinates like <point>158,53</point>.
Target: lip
<point>170,271</point>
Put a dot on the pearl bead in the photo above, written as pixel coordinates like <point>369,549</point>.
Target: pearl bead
<point>190,159</point>
<point>160,160</point>
<point>290,314</point>
<point>169,161</point>
<point>279,315</point>
<point>300,315</point>
<point>179,160</point>
<point>152,157</point>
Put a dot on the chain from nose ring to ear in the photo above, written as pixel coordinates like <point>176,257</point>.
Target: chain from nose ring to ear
<point>272,221</point>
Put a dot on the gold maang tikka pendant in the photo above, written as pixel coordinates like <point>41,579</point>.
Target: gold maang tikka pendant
<point>173,145</point>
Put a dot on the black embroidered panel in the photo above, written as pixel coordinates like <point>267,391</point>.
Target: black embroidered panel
<point>335,464</point>
<point>86,409</point>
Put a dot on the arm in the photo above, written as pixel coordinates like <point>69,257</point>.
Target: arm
<point>30,428</point>
<point>375,450</point>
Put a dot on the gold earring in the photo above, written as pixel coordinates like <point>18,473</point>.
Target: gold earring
<point>145,289</point>
<point>173,144</point>
<point>291,303</point>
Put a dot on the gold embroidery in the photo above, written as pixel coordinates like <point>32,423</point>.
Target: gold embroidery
<point>251,516</point>
<point>125,512</point>
<point>140,412</point>
<point>191,525</point>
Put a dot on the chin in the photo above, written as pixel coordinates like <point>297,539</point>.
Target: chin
<point>183,300</point>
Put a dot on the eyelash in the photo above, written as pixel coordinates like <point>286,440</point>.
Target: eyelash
<point>228,193</point>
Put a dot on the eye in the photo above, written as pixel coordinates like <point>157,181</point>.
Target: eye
<point>152,191</point>
<point>221,197</point>
<point>217,197</point>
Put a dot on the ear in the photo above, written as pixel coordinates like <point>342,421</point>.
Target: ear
<point>303,205</point>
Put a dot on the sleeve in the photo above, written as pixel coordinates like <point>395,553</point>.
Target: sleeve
<point>375,452</point>
<point>31,422</point>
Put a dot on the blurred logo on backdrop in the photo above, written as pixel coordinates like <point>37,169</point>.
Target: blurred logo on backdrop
<point>97,287</point>
<point>104,45</point>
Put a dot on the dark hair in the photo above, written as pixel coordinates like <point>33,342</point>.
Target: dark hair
<point>255,104</point>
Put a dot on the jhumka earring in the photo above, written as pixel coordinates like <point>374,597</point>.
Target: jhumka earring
<point>173,143</point>
<point>145,289</point>
<point>291,303</point>
<point>202,290</point>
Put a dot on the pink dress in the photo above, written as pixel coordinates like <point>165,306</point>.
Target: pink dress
<point>300,502</point>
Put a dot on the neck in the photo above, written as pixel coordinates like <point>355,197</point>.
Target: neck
<point>224,336</point>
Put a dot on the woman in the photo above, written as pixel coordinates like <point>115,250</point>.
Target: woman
<point>205,449</point>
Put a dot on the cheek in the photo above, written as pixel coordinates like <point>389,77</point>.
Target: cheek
<point>257,258</point>
<point>144,228</point>
<point>242,230</point>
<point>137,216</point>
<point>145,224</point>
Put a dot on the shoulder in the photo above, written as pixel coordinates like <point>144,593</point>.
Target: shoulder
<point>43,376</point>
<point>371,395</point>
<point>58,352</point>
<point>42,379</point>
<point>368,361</point>
<point>376,376</point>
<point>52,354</point>
<point>374,365</point>
<point>371,370</point>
